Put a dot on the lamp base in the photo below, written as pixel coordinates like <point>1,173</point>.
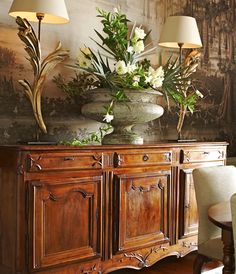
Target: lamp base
<point>41,143</point>
<point>186,140</point>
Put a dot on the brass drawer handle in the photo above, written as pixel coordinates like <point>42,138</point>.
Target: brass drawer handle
<point>69,158</point>
<point>145,157</point>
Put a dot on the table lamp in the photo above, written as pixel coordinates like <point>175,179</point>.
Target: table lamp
<point>180,32</point>
<point>46,11</point>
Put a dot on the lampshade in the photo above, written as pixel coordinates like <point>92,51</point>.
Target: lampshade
<point>54,10</point>
<point>180,30</point>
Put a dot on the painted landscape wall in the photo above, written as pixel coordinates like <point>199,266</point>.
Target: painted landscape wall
<point>214,118</point>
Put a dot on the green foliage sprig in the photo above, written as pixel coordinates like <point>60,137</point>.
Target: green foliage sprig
<point>92,138</point>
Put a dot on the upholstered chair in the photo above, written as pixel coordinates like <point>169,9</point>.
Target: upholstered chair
<point>212,185</point>
<point>233,211</point>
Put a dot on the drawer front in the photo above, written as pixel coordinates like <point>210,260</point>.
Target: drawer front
<point>201,155</point>
<point>129,159</point>
<point>37,162</point>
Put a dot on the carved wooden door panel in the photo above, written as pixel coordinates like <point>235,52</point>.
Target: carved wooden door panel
<point>141,209</point>
<point>65,221</point>
<point>188,206</point>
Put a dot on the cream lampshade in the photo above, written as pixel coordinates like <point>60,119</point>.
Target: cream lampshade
<point>54,11</point>
<point>180,31</point>
<point>48,11</point>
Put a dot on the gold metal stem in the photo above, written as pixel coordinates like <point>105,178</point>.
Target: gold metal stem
<point>40,17</point>
<point>180,52</point>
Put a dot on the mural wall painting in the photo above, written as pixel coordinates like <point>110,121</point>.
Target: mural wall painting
<point>215,118</point>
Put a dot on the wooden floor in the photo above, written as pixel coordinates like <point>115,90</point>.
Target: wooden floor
<point>173,265</point>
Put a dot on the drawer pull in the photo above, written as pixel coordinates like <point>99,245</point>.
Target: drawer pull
<point>145,157</point>
<point>69,158</point>
<point>206,153</point>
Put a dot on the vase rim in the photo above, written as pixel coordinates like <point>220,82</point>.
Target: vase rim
<point>151,91</point>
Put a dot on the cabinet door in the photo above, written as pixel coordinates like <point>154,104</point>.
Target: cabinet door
<point>188,221</point>
<point>141,209</point>
<point>65,221</point>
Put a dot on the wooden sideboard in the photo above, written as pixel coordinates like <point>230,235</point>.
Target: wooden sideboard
<point>95,209</point>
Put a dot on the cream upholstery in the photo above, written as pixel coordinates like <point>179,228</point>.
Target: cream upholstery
<point>233,211</point>
<point>212,185</point>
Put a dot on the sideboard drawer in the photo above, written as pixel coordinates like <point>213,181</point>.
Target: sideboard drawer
<point>63,161</point>
<point>128,159</point>
<point>190,156</point>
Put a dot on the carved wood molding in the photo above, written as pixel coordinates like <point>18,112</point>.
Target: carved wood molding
<point>168,156</point>
<point>143,259</point>
<point>148,188</point>
<point>55,198</point>
<point>20,170</point>
<point>187,156</point>
<point>98,160</point>
<point>89,270</point>
<point>32,164</point>
<point>117,160</point>
<point>190,244</point>
<point>221,154</point>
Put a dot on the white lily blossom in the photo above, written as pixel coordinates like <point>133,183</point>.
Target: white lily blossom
<point>136,79</point>
<point>156,77</point>
<point>157,82</point>
<point>139,33</point>
<point>83,61</point>
<point>108,118</point>
<point>138,47</point>
<point>130,49</point>
<point>131,67</point>
<point>121,67</point>
<point>86,51</point>
<point>148,79</point>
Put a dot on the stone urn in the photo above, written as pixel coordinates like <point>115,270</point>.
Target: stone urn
<point>142,107</point>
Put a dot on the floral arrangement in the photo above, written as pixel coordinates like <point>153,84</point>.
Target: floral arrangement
<point>121,65</point>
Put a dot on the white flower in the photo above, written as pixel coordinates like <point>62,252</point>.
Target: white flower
<point>115,10</point>
<point>86,51</point>
<point>199,94</point>
<point>159,72</point>
<point>121,67</point>
<point>131,67</point>
<point>148,79</point>
<point>139,33</point>
<point>155,77</point>
<point>157,82</point>
<point>139,47</point>
<point>136,79</point>
<point>130,49</point>
<point>85,62</point>
<point>108,118</point>
<point>83,58</point>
